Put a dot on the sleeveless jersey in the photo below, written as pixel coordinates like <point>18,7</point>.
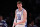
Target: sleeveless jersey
<point>20,16</point>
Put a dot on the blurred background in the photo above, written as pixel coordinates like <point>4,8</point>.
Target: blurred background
<point>8,7</point>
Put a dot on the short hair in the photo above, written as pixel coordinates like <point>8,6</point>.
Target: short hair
<point>19,2</point>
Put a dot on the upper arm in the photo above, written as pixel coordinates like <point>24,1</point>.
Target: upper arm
<point>25,15</point>
<point>15,15</point>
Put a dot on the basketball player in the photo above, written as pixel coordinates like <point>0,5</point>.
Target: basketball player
<point>20,16</point>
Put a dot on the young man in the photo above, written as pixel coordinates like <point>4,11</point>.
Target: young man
<point>20,16</point>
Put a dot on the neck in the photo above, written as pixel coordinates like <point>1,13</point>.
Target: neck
<point>20,9</point>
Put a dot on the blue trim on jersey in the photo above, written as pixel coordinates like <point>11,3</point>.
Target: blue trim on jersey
<point>26,24</point>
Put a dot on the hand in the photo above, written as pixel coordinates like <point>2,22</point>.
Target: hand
<point>15,24</point>
<point>12,26</point>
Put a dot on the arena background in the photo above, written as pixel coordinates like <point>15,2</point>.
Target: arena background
<point>8,7</point>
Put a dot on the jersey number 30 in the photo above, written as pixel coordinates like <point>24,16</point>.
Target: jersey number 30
<point>19,17</point>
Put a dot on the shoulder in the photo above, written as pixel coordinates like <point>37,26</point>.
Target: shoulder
<point>24,11</point>
<point>3,21</point>
<point>16,10</point>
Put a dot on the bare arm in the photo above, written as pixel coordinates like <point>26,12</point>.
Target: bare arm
<point>14,19</point>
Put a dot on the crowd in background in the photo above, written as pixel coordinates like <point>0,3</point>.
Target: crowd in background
<point>31,22</point>
<point>7,9</point>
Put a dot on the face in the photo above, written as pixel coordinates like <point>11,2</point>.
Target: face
<point>19,5</point>
<point>32,23</point>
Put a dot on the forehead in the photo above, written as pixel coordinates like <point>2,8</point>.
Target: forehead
<point>19,4</point>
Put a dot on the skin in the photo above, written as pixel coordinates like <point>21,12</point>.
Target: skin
<point>24,14</point>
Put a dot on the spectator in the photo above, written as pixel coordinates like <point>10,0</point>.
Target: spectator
<point>37,21</point>
<point>32,24</point>
<point>2,22</point>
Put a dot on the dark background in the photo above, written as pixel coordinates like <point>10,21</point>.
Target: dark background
<point>8,7</point>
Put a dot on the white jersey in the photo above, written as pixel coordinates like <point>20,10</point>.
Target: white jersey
<point>19,16</point>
